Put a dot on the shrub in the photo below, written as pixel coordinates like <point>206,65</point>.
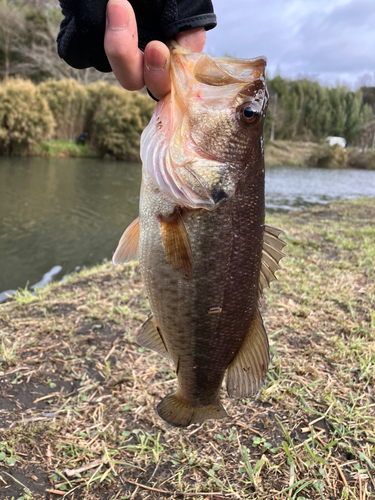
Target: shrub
<point>113,117</point>
<point>67,99</point>
<point>145,106</point>
<point>96,92</point>
<point>117,119</point>
<point>362,159</point>
<point>326,156</point>
<point>25,118</point>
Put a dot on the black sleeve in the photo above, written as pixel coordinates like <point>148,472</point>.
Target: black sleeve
<point>80,41</point>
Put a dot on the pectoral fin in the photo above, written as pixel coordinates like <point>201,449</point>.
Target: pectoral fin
<point>246,373</point>
<point>128,246</point>
<point>176,244</point>
<point>149,336</point>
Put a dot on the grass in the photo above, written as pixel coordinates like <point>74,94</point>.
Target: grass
<point>78,396</point>
<point>64,149</point>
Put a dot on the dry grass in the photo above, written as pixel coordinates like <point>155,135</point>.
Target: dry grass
<point>295,153</point>
<point>78,396</point>
<point>300,154</point>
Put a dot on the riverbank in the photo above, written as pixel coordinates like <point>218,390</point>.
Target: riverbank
<point>310,154</point>
<point>296,154</point>
<point>78,396</point>
<point>277,153</point>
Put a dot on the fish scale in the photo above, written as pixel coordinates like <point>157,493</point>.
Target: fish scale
<point>204,251</point>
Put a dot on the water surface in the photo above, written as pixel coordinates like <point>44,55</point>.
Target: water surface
<point>292,188</point>
<point>61,212</point>
<point>57,215</point>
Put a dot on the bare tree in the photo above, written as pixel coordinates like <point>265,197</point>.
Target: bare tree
<point>366,80</point>
<point>28,56</point>
<point>12,23</point>
<point>367,138</point>
<point>41,56</point>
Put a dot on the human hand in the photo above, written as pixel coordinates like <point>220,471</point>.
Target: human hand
<point>133,68</point>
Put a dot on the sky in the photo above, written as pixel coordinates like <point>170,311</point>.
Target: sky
<point>332,41</point>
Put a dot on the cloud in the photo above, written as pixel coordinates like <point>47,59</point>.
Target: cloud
<point>331,39</point>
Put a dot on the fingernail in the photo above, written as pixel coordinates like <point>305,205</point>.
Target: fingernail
<point>155,59</point>
<point>117,15</point>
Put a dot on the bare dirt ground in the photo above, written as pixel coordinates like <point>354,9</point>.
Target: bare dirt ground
<point>78,396</point>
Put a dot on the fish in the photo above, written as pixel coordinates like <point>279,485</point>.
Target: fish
<point>205,253</point>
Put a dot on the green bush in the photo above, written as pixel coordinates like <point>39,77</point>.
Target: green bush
<point>67,99</point>
<point>96,92</point>
<point>145,106</point>
<point>116,119</point>
<point>25,118</point>
<point>113,117</point>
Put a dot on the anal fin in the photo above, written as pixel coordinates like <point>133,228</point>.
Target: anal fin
<point>149,336</point>
<point>128,246</point>
<point>247,371</point>
<point>176,243</point>
<point>175,411</point>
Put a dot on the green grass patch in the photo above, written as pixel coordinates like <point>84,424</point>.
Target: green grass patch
<point>64,149</point>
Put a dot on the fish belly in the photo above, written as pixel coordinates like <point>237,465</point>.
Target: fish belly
<point>204,320</point>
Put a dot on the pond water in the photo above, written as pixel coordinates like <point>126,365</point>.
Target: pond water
<point>58,215</point>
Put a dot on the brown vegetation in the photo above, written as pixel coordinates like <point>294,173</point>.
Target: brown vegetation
<point>31,114</point>
<point>327,156</point>
<point>25,118</point>
<point>294,153</point>
<point>118,119</point>
<point>67,100</point>
<point>278,153</point>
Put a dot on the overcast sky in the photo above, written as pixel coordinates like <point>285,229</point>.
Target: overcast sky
<point>329,40</point>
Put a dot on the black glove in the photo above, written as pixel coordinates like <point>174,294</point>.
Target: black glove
<point>80,41</point>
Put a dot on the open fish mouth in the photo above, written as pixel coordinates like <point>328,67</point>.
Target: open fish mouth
<point>182,162</point>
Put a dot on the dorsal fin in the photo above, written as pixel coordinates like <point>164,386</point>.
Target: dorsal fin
<point>246,373</point>
<point>128,246</point>
<point>149,336</point>
<point>176,243</point>
<point>271,256</point>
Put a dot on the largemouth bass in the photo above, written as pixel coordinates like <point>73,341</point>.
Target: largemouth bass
<point>204,251</point>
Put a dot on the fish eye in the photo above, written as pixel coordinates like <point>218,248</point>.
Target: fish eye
<point>248,114</point>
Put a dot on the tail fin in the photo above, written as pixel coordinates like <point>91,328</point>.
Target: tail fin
<point>180,414</point>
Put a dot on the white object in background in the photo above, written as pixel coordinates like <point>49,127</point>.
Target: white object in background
<point>340,141</point>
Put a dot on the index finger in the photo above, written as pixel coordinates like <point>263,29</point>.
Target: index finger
<point>121,45</point>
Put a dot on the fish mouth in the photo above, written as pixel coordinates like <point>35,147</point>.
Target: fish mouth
<point>178,163</point>
<point>214,72</point>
